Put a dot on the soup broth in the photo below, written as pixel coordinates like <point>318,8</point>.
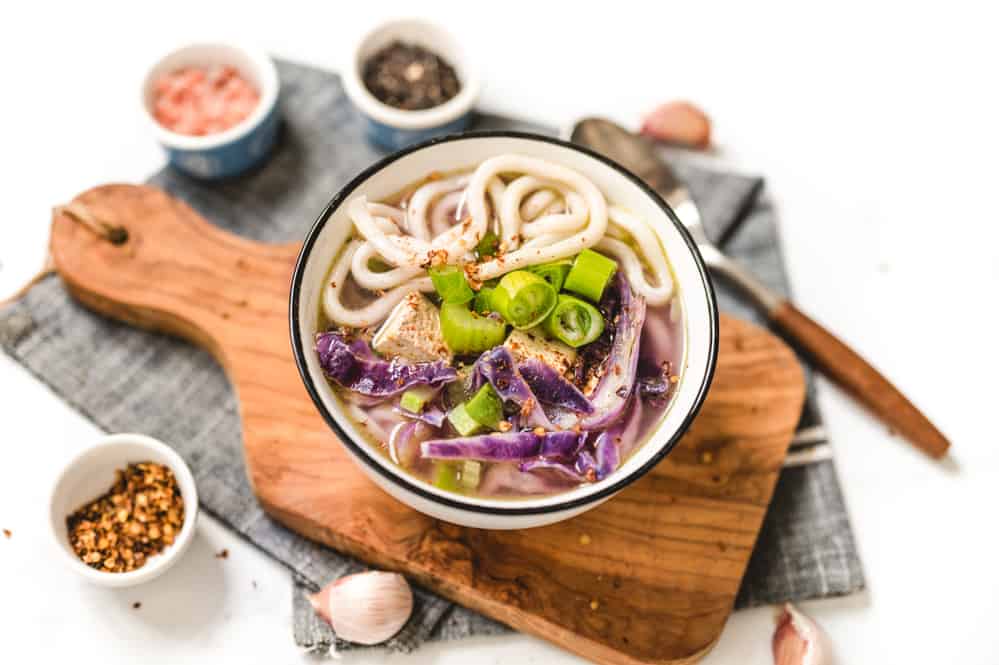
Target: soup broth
<point>502,331</point>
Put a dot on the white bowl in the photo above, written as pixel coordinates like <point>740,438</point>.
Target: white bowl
<point>238,148</point>
<point>451,153</point>
<point>91,473</point>
<point>394,128</point>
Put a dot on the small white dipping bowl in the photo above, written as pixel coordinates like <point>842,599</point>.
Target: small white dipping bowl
<point>451,153</point>
<point>91,474</point>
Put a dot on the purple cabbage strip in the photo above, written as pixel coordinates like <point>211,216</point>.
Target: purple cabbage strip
<point>606,453</point>
<point>405,440</point>
<point>586,465</point>
<point>654,389</point>
<point>551,388</point>
<point>617,439</point>
<point>497,367</point>
<point>544,464</point>
<point>361,349</point>
<point>562,444</point>
<point>508,447</point>
<point>354,367</point>
<point>432,415</point>
<point>500,479</point>
<point>653,382</point>
<point>610,396</point>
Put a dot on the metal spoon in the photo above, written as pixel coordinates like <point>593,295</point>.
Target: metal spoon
<point>827,352</point>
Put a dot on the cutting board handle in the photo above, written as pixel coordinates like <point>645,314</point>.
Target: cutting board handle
<point>164,268</point>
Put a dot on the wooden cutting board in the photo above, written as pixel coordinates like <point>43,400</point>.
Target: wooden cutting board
<point>648,577</point>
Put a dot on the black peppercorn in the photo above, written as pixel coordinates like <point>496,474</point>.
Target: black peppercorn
<point>410,77</point>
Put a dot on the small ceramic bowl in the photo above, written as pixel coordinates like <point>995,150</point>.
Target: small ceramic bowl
<point>394,128</point>
<point>455,152</point>
<point>238,148</point>
<point>91,473</point>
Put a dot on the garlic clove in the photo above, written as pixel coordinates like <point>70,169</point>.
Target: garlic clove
<point>798,640</point>
<point>680,123</point>
<point>366,608</point>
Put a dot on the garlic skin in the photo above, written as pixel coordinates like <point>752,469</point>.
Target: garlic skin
<point>366,608</point>
<point>678,123</point>
<point>798,640</point>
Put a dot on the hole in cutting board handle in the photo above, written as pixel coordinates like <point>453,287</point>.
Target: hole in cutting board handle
<point>117,235</point>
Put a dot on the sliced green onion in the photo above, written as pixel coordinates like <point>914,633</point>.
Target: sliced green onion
<point>485,407</point>
<point>467,332</point>
<point>414,399</point>
<point>471,474</point>
<point>446,476</point>
<point>483,303</point>
<point>488,246</point>
<point>574,321</point>
<point>462,421</point>
<point>590,274</point>
<point>554,273</point>
<point>523,299</point>
<point>450,284</point>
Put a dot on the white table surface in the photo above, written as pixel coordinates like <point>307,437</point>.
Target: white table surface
<point>876,130</point>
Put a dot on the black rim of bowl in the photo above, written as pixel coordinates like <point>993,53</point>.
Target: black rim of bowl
<point>414,486</point>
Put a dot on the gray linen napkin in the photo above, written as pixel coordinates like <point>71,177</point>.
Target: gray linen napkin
<point>125,379</point>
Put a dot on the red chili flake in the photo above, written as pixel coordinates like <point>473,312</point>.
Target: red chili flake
<point>222,554</point>
<point>136,605</point>
<point>8,533</point>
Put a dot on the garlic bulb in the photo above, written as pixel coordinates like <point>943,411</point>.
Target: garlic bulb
<point>366,608</point>
<point>798,640</point>
<point>679,123</point>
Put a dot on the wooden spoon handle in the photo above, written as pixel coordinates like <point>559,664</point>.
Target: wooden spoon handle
<point>859,378</point>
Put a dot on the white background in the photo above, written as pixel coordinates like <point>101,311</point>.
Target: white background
<point>876,129</point>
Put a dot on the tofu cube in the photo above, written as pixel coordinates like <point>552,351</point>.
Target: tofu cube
<point>553,353</point>
<point>412,331</point>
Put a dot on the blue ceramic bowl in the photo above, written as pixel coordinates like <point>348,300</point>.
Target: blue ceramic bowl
<point>393,128</point>
<point>237,149</point>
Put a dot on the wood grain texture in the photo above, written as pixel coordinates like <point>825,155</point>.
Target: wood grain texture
<point>658,575</point>
<point>859,378</point>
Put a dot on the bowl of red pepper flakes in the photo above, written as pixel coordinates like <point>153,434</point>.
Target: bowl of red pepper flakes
<point>124,510</point>
<point>213,107</point>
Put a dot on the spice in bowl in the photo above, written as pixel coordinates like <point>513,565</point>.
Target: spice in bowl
<point>410,77</point>
<point>198,101</point>
<point>137,518</point>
